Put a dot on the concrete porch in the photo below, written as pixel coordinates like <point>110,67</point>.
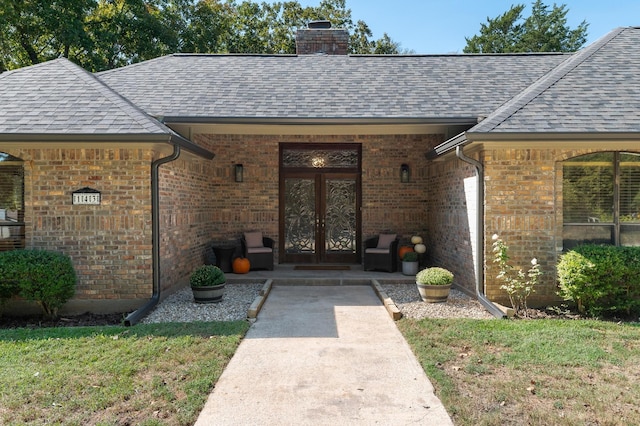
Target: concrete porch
<point>288,274</point>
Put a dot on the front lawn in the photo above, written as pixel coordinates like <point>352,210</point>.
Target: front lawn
<point>531,372</point>
<point>144,375</point>
<point>486,372</point>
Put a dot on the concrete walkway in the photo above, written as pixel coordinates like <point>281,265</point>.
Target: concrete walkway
<point>323,355</point>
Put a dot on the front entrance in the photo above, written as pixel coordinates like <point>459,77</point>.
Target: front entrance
<point>320,203</point>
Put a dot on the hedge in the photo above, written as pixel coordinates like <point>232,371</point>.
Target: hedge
<point>601,280</point>
<point>46,277</point>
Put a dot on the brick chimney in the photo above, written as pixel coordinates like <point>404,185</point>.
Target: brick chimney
<point>319,37</point>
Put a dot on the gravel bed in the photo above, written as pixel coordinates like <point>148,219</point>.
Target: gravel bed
<point>179,307</point>
<point>458,305</point>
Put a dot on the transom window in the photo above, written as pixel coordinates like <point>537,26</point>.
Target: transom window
<point>601,194</point>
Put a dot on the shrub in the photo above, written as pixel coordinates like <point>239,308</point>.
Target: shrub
<point>601,279</point>
<point>518,284</point>
<point>434,276</point>
<point>207,276</point>
<point>45,277</point>
<point>8,282</point>
<point>411,256</point>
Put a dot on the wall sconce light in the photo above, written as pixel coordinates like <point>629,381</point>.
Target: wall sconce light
<point>239,172</point>
<point>404,173</point>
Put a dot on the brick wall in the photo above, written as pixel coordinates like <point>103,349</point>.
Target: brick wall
<point>523,190</point>
<point>387,204</point>
<point>332,41</point>
<point>110,244</point>
<point>520,190</point>
<point>450,212</point>
<point>187,217</point>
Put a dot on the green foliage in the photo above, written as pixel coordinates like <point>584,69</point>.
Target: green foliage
<point>411,256</point>
<point>518,284</point>
<point>46,277</point>
<point>105,34</point>
<point>8,283</point>
<point>39,30</point>
<point>544,31</point>
<point>434,276</point>
<point>601,280</point>
<point>207,276</point>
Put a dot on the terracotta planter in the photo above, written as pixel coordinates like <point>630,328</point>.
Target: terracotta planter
<point>409,268</point>
<point>210,294</point>
<point>434,293</point>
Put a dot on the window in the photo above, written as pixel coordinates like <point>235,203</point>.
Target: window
<point>11,202</point>
<point>601,195</point>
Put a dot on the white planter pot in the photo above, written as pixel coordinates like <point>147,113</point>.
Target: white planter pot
<point>409,268</point>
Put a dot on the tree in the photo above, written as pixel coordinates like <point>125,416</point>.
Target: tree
<point>103,34</point>
<point>127,31</point>
<point>33,31</point>
<point>545,30</point>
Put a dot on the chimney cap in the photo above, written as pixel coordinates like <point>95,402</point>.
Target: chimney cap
<point>319,25</point>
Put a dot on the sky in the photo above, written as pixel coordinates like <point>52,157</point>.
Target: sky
<point>440,26</point>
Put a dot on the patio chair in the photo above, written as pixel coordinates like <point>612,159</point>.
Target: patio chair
<point>381,253</point>
<point>258,249</point>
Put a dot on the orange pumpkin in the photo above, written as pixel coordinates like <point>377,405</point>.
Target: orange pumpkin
<point>404,249</point>
<point>241,265</point>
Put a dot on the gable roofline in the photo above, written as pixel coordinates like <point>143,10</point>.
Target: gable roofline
<point>545,82</point>
<point>31,127</point>
<point>484,130</point>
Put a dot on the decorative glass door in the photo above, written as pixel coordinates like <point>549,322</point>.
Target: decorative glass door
<point>320,204</point>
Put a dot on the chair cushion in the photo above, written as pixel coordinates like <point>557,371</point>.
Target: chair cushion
<point>255,250</point>
<point>253,239</point>
<point>385,240</point>
<point>377,251</point>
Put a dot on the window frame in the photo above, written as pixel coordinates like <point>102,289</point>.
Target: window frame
<point>616,224</point>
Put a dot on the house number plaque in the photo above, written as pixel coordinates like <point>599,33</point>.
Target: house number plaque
<point>86,196</point>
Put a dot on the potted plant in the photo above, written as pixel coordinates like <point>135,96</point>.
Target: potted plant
<point>207,283</point>
<point>434,284</point>
<point>410,263</point>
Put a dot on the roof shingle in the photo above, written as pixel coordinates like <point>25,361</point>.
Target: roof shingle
<point>58,97</point>
<point>595,91</point>
<point>327,86</point>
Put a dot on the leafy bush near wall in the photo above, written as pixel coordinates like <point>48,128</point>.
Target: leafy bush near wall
<point>46,277</point>
<point>8,285</point>
<point>601,280</point>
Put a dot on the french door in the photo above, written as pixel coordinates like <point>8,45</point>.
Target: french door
<point>320,204</point>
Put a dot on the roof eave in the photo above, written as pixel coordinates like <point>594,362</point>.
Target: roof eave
<point>122,138</point>
<point>452,121</point>
<point>467,138</point>
<point>550,136</point>
<point>447,146</point>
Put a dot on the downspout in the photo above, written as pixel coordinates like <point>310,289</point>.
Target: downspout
<point>140,313</point>
<point>493,309</point>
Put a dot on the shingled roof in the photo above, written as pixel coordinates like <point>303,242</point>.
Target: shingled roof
<point>595,91</point>
<point>58,100</point>
<point>349,87</point>
<point>59,97</point>
<point>593,94</point>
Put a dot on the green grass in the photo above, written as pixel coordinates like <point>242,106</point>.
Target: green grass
<point>486,372</point>
<point>531,372</point>
<point>146,374</point>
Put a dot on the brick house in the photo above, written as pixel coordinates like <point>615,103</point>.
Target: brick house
<point>486,140</point>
